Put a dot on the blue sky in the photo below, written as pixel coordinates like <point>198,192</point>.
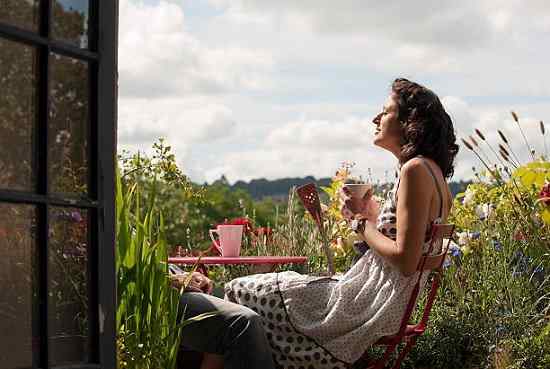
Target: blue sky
<point>260,88</point>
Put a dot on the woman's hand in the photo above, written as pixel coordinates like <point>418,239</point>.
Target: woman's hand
<point>370,226</point>
<point>197,283</point>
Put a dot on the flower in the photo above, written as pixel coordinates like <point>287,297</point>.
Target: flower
<point>484,211</point>
<point>497,245</point>
<point>519,236</point>
<point>455,249</point>
<point>463,238</point>
<point>266,232</point>
<point>468,197</point>
<point>245,222</point>
<point>544,195</point>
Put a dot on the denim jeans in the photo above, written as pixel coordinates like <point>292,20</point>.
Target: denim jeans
<point>235,332</point>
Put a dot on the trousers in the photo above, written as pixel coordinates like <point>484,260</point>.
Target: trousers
<point>235,332</point>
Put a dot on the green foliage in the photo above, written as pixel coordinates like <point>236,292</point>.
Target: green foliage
<point>493,307</point>
<point>147,311</point>
<point>190,210</point>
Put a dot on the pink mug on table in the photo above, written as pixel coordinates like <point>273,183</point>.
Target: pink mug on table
<point>230,237</point>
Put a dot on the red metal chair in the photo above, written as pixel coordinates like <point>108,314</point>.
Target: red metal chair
<point>408,333</point>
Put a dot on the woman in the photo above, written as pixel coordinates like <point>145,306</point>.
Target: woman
<point>313,322</point>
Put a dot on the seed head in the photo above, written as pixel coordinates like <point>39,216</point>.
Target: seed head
<point>480,134</point>
<point>541,125</point>
<point>515,116</point>
<point>467,144</point>
<point>502,136</point>
<point>504,156</point>
<point>473,141</point>
<point>503,149</point>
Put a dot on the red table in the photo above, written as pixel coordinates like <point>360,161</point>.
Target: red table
<point>271,261</point>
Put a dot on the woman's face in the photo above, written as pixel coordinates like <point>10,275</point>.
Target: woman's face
<point>388,130</point>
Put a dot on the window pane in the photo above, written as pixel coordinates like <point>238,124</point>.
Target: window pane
<point>19,283</point>
<point>17,115</point>
<point>22,14</point>
<point>68,126</point>
<point>70,21</point>
<point>68,286</point>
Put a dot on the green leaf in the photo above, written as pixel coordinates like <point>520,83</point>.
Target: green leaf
<point>545,215</point>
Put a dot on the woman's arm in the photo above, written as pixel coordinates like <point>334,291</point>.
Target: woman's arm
<point>414,193</point>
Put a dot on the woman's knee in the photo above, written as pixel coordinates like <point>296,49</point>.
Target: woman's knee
<point>246,324</point>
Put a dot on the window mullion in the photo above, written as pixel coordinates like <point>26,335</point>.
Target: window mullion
<point>41,151</point>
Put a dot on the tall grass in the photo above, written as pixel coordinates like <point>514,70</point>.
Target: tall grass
<point>147,314</point>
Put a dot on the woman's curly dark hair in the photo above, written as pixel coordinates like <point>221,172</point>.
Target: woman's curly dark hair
<point>427,128</point>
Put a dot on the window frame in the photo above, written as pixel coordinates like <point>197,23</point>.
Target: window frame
<point>101,57</point>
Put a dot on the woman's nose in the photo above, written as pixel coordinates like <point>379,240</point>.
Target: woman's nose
<point>376,119</point>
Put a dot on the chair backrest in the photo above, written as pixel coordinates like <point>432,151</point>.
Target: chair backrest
<point>439,233</point>
<point>310,199</point>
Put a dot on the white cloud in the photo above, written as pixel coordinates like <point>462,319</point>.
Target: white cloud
<point>160,57</point>
<point>307,147</point>
<point>446,23</point>
<point>321,135</point>
<point>288,88</point>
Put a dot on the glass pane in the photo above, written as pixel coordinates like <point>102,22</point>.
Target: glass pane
<point>17,114</point>
<point>18,13</point>
<point>19,287</point>
<point>68,126</point>
<point>70,21</point>
<point>68,286</point>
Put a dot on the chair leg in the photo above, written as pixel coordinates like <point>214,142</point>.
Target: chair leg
<point>410,343</point>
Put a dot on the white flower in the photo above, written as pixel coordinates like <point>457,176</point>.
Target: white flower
<point>484,211</point>
<point>463,238</point>
<point>468,197</point>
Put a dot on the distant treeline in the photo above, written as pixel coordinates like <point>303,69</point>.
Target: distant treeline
<point>278,188</point>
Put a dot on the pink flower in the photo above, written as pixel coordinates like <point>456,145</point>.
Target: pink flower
<point>519,236</point>
<point>544,195</point>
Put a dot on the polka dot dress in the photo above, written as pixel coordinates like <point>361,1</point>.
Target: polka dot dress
<point>319,322</point>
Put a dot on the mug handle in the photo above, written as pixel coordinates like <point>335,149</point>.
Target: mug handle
<point>216,244</point>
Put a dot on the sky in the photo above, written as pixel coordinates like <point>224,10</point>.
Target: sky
<point>271,89</point>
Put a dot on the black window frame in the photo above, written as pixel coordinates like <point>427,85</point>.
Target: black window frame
<point>101,57</point>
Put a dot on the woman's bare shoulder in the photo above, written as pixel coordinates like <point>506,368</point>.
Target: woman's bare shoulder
<point>414,169</point>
